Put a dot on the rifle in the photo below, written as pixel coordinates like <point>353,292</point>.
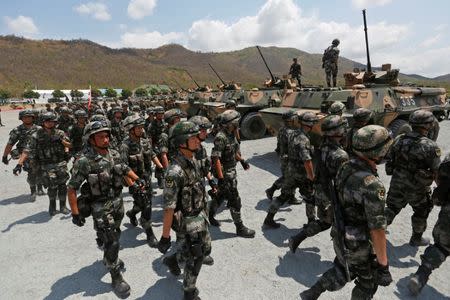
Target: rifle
<point>193,79</point>
<point>264,60</point>
<point>339,225</point>
<point>223,82</point>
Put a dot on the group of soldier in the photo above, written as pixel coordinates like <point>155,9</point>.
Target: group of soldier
<point>112,147</point>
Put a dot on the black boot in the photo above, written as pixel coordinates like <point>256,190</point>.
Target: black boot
<point>62,207</point>
<point>119,285</point>
<point>151,239</point>
<point>33,193</point>
<point>40,191</point>
<point>270,191</point>
<point>417,240</point>
<point>313,293</point>
<point>212,212</point>
<point>418,280</point>
<point>172,264</point>
<point>208,260</point>
<point>52,207</point>
<point>269,222</point>
<point>191,295</point>
<point>243,231</point>
<point>294,201</point>
<point>132,217</point>
<point>294,241</point>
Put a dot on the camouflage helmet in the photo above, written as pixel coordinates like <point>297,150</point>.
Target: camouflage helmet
<point>94,127</point>
<point>65,110</point>
<point>80,114</point>
<point>333,126</point>
<point>171,114</point>
<point>136,108</point>
<point>337,108</point>
<point>201,122</point>
<point>99,111</point>
<point>228,116</point>
<point>150,110</point>
<point>158,109</point>
<point>371,141</point>
<point>289,116</point>
<point>421,118</point>
<point>308,118</point>
<point>96,118</point>
<point>116,109</point>
<point>26,113</point>
<point>230,103</point>
<point>362,115</point>
<point>182,131</point>
<point>48,116</point>
<point>336,42</point>
<point>133,121</point>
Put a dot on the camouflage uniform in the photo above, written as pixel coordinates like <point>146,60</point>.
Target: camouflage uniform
<point>118,134</point>
<point>157,132</point>
<point>436,254</point>
<point>48,152</point>
<point>330,62</point>
<point>75,135</point>
<point>64,122</point>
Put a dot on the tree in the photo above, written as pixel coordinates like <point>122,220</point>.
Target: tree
<point>110,93</point>
<point>4,94</point>
<point>154,91</point>
<point>141,92</point>
<point>29,94</point>
<point>125,94</point>
<point>95,93</point>
<point>58,94</point>
<point>76,94</point>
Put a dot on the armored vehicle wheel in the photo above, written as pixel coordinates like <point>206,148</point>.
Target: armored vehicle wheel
<point>399,126</point>
<point>252,126</point>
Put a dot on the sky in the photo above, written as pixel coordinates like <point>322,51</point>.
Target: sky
<point>412,35</point>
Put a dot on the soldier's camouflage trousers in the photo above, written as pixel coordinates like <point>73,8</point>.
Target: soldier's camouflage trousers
<point>142,203</point>
<point>55,178</point>
<point>331,71</point>
<point>107,218</point>
<point>278,184</point>
<point>195,248</point>
<point>324,213</point>
<point>227,189</point>
<point>404,190</point>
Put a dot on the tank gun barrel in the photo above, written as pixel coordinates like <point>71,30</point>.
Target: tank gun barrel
<point>179,85</point>
<point>193,79</point>
<point>369,66</point>
<point>217,74</point>
<point>264,60</point>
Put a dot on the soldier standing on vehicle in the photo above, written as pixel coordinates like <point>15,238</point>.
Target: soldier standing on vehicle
<point>185,204</point>
<point>48,148</point>
<point>300,171</point>
<point>136,151</point>
<point>330,157</point>
<point>20,136</point>
<point>103,173</point>
<point>224,156</point>
<point>296,71</point>
<point>330,62</point>
<point>413,162</point>
<point>361,199</point>
<point>436,254</point>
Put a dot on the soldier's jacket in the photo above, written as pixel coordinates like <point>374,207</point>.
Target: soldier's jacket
<point>205,163</point>
<point>47,149</point>
<point>295,69</point>
<point>155,130</point>
<point>20,136</point>
<point>226,146</point>
<point>65,122</point>
<point>414,155</point>
<point>138,155</point>
<point>441,194</point>
<point>332,157</point>
<point>330,55</point>
<point>184,191</point>
<point>283,141</point>
<point>300,149</point>
<point>104,174</point>
<point>118,132</point>
<point>75,135</point>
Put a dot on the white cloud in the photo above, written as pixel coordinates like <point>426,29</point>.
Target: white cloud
<point>97,10</point>
<point>21,25</point>
<point>431,41</point>
<point>152,39</point>
<point>137,9</point>
<point>368,3</point>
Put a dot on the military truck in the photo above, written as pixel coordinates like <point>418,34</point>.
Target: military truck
<point>379,91</point>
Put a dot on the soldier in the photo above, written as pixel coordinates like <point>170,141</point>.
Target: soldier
<point>296,71</point>
<point>117,131</point>
<point>149,120</point>
<point>20,136</point>
<point>157,129</point>
<point>300,171</point>
<point>337,108</point>
<point>361,117</point>
<point>48,107</point>
<point>289,119</point>
<point>330,62</point>
<point>184,194</point>
<point>361,199</point>
<point>171,117</point>
<point>436,254</point>
<point>65,120</point>
<point>103,172</point>
<point>136,151</point>
<point>48,148</point>
<point>413,162</point>
<point>225,154</point>
<point>75,133</point>
<point>125,111</point>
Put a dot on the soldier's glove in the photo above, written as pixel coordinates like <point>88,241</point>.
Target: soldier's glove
<point>17,169</point>
<point>245,165</point>
<point>77,220</point>
<point>5,160</point>
<point>384,277</point>
<point>164,244</point>
<point>212,183</point>
<point>139,183</point>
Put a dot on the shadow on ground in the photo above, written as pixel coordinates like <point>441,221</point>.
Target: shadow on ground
<point>268,162</point>
<point>402,256</point>
<point>20,199</point>
<point>428,292</point>
<point>40,217</point>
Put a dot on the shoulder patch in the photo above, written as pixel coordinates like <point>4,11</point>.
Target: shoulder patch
<point>438,151</point>
<point>381,194</point>
<point>169,182</point>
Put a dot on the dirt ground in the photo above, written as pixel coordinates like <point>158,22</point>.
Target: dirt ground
<point>50,258</point>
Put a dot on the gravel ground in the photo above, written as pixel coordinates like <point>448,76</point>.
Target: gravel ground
<point>50,258</point>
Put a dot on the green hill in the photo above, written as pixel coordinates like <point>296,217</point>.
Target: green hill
<point>75,64</point>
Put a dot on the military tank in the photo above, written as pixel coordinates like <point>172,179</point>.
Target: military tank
<point>380,91</point>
